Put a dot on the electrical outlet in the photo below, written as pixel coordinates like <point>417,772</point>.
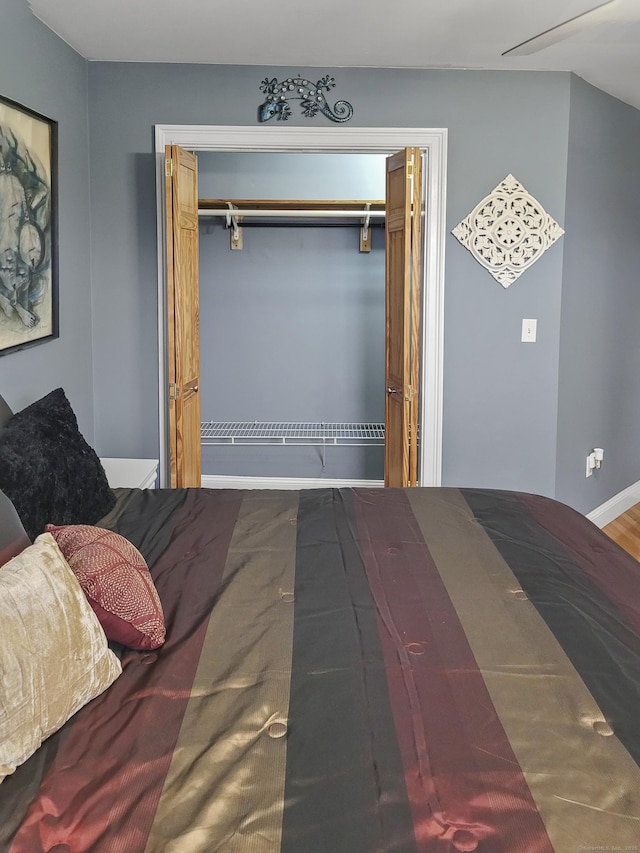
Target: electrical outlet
<point>594,460</point>
<point>529,331</point>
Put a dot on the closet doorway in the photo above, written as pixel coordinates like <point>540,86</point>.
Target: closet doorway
<point>292,319</point>
<point>246,139</point>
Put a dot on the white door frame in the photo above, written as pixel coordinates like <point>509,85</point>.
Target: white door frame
<point>370,140</point>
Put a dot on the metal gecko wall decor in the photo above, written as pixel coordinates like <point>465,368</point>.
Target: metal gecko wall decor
<point>311,97</point>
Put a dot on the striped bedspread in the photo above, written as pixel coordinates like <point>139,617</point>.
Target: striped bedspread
<point>357,671</point>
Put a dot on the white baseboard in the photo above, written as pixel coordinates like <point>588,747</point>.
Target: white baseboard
<point>616,505</point>
<point>220,481</point>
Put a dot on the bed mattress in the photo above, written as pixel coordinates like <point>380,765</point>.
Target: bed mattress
<point>357,671</point>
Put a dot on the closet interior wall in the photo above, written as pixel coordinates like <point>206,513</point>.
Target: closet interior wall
<point>292,325</point>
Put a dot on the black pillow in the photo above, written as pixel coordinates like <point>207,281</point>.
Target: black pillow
<point>48,470</point>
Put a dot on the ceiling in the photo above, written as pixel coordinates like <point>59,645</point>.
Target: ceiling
<point>358,33</point>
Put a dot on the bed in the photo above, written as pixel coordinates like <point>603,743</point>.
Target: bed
<point>354,671</point>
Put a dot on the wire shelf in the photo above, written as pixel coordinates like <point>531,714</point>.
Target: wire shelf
<point>282,432</point>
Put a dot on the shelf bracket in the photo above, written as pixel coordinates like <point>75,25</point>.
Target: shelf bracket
<point>324,446</point>
<point>365,231</point>
<point>236,230</point>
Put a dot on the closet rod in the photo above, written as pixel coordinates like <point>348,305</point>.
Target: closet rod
<point>314,214</point>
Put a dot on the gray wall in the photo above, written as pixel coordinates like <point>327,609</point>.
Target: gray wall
<point>500,396</point>
<point>291,175</point>
<point>39,70</point>
<point>599,377</point>
<point>515,414</point>
<point>292,327</point>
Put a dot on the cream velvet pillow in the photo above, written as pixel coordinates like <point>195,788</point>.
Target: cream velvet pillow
<point>54,656</point>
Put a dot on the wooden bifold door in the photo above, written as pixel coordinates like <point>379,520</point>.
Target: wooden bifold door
<point>183,333</point>
<point>403,266</point>
<point>402,328</point>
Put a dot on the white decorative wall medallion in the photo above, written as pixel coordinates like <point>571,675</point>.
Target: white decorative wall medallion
<point>508,231</point>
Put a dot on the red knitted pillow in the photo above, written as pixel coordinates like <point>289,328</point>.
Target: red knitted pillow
<point>115,578</point>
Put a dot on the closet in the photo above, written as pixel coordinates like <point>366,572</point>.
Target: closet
<point>292,316</point>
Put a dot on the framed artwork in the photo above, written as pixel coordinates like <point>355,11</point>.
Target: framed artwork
<point>28,227</point>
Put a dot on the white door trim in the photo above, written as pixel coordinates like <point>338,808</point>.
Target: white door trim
<point>374,140</point>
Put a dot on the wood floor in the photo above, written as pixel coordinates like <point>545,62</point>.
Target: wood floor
<point>625,530</point>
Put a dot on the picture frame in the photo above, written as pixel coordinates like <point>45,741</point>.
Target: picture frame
<point>28,227</point>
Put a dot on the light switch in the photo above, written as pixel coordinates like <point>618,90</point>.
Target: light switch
<point>529,331</point>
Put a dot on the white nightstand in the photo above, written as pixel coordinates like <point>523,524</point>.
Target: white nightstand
<point>131,473</point>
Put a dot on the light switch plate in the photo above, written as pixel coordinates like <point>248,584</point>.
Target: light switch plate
<point>529,331</point>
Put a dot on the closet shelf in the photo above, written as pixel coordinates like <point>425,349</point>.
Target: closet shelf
<point>239,212</point>
<point>332,208</point>
<point>279,432</point>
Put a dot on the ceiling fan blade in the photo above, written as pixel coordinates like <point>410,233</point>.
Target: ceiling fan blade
<point>586,19</point>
